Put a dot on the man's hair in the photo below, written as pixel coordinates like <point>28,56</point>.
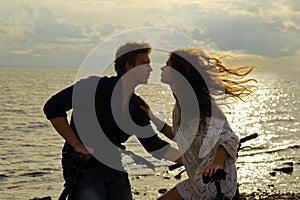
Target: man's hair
<point>127,53</point>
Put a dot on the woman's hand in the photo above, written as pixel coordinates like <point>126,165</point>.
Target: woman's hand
<point>160,125</point>
<point>146,108</point>
<point>218,162</point>
<point>211,170</point>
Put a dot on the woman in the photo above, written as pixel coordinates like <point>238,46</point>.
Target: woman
<point>207,143</point>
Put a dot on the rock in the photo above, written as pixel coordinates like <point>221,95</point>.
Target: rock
<point>34,174</point>
<point>272,173</point>
<point>42,198</point>
<point>162,191</point>
<point>3,176</point>
<point>289,163</point>
<point>287,170</point>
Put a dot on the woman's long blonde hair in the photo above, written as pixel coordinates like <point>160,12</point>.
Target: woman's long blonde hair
<point>213,83</point>
<point>209,76</point>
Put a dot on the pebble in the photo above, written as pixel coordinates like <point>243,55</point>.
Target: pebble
<point>162,191</point>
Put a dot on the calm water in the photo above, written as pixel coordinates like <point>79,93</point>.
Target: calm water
<point>30,148</point>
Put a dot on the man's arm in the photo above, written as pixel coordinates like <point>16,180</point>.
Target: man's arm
<point>55,110</point>
<point>154,144</point>
<point>62,126</point>
<point>160,125</point>
<point>173,154</point>
<point>160,148</point>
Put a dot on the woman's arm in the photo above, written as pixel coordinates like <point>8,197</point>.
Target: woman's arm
<point>167,131</point>
<point>218,162</point>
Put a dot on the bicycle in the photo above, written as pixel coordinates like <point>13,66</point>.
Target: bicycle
<point>220,173</point>
<point>216,178</point>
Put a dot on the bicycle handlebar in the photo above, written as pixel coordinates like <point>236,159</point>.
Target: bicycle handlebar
<point>249,137</point>
<point>175,166</point>
<point>218,176</point>
<point>242,140</point>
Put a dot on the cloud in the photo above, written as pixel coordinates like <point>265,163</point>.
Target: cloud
<point>49,27</point>
<point>240,29</point>
<point>248,35</point>
<point>269,29</point>
<point>107,29</point>
<point>22,52</point>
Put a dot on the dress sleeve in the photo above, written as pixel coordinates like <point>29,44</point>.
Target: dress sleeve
<point>218,133</point>
<point>229,140</point>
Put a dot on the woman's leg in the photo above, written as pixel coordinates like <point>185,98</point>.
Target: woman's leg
<point>172,194</point>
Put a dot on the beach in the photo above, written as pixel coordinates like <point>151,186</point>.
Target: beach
<point>152,186</point>
<point>31,148</point>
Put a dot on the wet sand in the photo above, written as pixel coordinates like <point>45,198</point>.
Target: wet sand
<point>152,186</point>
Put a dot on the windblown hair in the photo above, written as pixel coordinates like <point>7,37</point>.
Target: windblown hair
<point>212,82</point>
<point>209,76</point>
<point>127,53</point>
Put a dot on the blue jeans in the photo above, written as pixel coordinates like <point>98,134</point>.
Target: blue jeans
<point>101,183</point>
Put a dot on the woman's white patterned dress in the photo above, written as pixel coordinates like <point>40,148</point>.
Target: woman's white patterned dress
<point>199,147</point>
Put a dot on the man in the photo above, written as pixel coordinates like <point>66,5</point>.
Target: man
<point>118,115</point>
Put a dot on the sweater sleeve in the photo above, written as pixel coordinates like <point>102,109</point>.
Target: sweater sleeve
<point>154,145</point>
<point>59,104</point>
<point>148,137</point>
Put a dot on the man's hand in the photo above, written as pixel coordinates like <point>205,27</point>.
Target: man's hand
<point>86,151</point>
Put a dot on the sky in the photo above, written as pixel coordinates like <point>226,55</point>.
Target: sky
<point>42,33</point>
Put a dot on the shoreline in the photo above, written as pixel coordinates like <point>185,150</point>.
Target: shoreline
<point>151,186</point>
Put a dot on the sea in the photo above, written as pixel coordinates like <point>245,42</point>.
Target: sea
<point>30,148</point>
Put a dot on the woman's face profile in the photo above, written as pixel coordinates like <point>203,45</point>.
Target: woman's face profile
<point>166,73</point>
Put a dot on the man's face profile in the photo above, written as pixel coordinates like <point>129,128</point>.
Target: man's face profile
<point>142,69</point>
